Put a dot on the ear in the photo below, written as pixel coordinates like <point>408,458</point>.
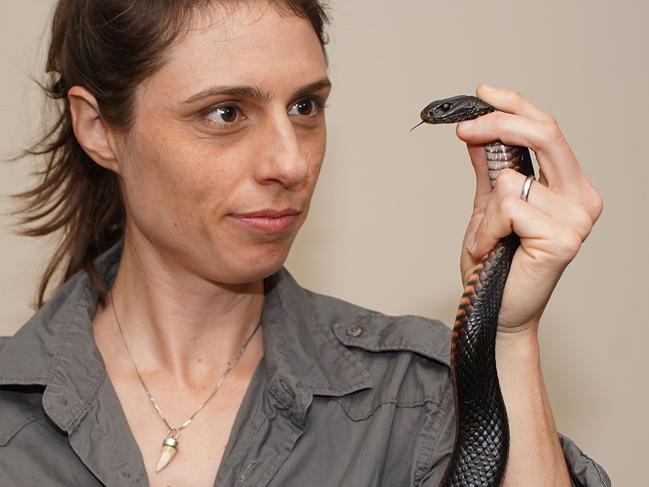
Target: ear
<point>92,133</point>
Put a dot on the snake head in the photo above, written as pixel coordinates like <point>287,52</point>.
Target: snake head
<point>455,109</point>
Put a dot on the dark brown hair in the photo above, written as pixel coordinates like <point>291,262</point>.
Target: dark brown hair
<point>109,47</point>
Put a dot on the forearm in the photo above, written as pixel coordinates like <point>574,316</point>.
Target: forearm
<point>535,455</point>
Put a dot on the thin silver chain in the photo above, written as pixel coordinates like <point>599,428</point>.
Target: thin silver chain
<point>232,364</point>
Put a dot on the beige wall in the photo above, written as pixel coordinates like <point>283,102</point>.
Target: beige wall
<point>387,223</point>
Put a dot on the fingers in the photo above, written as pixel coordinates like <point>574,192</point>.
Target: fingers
<point>519,122</point>
<point>562,193</point>
<point>555,157</point>
<point>528,126</point>
<point>546,218</point>
<point>560,211</point>
<point>511,101</point>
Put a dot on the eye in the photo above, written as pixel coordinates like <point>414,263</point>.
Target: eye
<point>224,114</point>
<point>445,107</point>
<point>306,107</point>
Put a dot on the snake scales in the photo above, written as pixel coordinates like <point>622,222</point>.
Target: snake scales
<point>481,447</point>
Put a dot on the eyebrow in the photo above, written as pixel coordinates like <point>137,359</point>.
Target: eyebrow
<point>254,92</point>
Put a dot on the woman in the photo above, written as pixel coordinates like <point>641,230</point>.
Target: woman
<point>181,169</point>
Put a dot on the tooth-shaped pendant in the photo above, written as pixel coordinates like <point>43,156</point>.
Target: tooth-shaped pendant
<point>169,446</point>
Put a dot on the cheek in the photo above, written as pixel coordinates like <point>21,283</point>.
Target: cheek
<point>313,149</point>
<point>316,165</point>
<point>167,183</point>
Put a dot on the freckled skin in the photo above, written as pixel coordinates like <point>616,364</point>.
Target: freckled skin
<point>182,177</point>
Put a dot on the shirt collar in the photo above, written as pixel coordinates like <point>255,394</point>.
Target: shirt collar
<point>55,348</point>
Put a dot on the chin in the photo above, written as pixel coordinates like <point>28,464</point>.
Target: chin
<point>256,266</point>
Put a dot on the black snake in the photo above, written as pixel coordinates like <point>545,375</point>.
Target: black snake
<point>481,447</point>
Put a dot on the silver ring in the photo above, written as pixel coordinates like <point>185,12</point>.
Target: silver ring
<point>526,187</point>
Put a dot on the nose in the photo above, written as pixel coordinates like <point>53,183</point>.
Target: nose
<point>282,160</point>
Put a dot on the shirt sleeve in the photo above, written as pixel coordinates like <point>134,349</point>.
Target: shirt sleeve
<point>583,470</point>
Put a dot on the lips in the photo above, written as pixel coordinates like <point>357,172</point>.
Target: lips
<point>268,220</point>
<point>267,213</point>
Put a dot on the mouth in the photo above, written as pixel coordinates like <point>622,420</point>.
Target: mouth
<point>268,213</point>
<point>267,220</point>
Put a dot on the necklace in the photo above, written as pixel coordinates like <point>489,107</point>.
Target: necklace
<point>170,443</point>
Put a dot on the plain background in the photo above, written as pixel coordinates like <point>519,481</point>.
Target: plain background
<point>387,219</point>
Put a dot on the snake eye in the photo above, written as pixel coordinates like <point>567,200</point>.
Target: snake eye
<point>445,107</point>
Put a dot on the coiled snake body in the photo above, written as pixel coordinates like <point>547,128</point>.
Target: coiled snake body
<point>481,447</point>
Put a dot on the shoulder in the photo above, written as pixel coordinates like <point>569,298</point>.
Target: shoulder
<point>3,340</point>
<point>406,356</point>
<point>373,331</point>
<point>365,329</point>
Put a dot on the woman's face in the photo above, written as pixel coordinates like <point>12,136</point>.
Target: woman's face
<point>231,124</point>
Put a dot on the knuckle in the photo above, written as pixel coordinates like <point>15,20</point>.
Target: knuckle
<point>552,132</point>
<point>569,243</point>
<point>583,222</point>
<point>507,205</point>
<point>592,202</point>
<point>548,119</point>
<point>519,99</point>
<point>500,119</point>
<point>596,205</point>
<point>507,182</point>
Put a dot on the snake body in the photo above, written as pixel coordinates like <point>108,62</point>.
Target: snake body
<point>481,447</point>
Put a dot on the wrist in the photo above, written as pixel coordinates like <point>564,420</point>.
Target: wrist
<point>520,346</point>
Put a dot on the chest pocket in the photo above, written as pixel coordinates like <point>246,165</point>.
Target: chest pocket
<point>407,358</point>
<point>19,406</point>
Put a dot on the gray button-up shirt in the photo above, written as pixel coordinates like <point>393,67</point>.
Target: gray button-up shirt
<point>344,396</point>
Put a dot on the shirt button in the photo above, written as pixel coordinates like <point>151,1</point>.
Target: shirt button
<point>354,331</point>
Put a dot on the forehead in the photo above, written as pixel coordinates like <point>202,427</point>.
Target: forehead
<point>253,43</point>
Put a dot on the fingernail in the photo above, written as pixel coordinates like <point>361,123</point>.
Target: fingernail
<point>487,87</point>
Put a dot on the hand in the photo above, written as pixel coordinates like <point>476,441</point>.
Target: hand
<point>561,210</point>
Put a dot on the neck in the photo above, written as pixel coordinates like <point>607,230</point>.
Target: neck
<point>178,323</point>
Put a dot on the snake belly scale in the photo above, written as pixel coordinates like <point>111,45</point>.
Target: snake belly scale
<point>479,456</point>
